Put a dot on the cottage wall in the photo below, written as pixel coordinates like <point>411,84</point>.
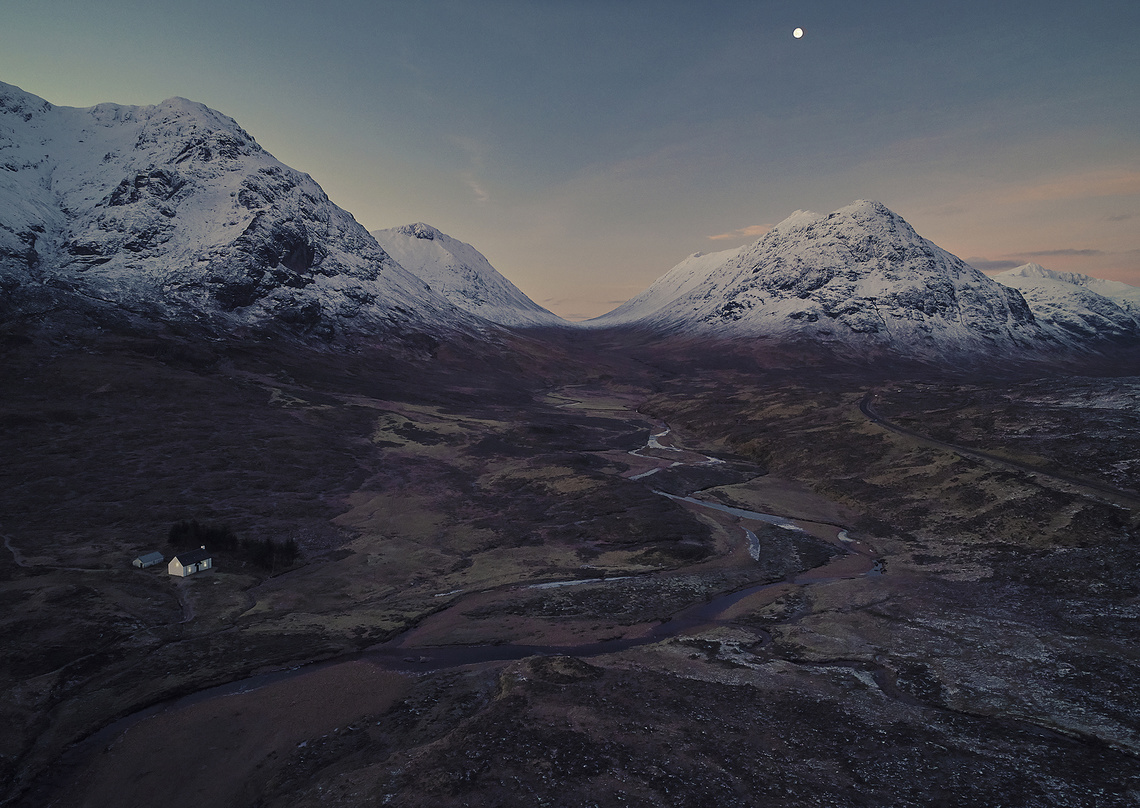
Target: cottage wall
<point>176,567</point>
<point>148,560</point>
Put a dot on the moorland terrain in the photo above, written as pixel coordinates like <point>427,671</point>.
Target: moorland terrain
<point>574,570</point>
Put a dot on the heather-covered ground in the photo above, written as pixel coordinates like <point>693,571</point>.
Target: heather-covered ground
<point>967,636</point>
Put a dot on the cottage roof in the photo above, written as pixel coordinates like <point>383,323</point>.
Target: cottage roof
<point>188,557</point>
<point>148,557</point>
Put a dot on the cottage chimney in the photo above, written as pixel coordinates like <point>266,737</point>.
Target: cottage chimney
<point>203,547</point>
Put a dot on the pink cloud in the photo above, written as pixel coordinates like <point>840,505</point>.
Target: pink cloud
<point>752,231</point>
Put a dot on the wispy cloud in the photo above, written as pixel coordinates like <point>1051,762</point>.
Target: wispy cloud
<point>1121,217</point>
<point>474,150</point>
<point>481,195</point>
<point>752,231</point>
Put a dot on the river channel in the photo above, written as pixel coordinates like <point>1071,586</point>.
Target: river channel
<point>855,560</point>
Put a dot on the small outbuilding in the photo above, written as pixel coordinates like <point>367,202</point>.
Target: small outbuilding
<point>148,559</point>
<point>190,562</point>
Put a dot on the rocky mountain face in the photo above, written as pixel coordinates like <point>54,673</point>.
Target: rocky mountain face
<point>1079,310</point>
<point>463,275</point>
<point>859,280</point>
<point>174,213</point>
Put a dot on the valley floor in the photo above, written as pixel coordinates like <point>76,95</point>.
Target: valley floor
<point>592,580</point>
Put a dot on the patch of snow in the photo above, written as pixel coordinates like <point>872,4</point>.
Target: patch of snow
<point>753,544</point>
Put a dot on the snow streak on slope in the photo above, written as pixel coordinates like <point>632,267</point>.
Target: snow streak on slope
<point>462,275</point>
<point>175,211</point>
<point>859,280</point>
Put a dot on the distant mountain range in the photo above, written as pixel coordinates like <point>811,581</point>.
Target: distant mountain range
<point>1078,310</point>
<point>861,282</point>
<point>172,213</point>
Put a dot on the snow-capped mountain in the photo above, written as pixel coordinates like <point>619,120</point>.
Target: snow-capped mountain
<point>859,280</point>
<point>1080,307</point>
<point>174,212</point>
<point>1126,295</point>
<point>463,275</point>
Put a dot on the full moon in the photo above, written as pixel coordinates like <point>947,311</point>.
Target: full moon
<point>799,32</point>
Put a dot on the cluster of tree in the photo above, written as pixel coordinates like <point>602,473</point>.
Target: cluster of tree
<point>264,553</point>
<point>194,534</point>
<point>270,554</point>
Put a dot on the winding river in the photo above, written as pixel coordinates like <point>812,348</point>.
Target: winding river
<point>855,560</point>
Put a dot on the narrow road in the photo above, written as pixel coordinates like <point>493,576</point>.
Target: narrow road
<point>1124,498</point>
<point>184,601</point>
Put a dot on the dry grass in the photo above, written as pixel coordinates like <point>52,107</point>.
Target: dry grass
<point>431,500</point>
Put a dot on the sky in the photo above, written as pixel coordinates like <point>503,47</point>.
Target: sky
<point>588,147</point>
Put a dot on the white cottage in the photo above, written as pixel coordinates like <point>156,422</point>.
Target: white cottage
<point>190,562</point>
<point>148,559</point>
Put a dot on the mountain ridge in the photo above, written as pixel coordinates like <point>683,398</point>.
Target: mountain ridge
<point>1080,308</point>
<point>175,211</point>
<point>859,281</point>
<point>173,214</point>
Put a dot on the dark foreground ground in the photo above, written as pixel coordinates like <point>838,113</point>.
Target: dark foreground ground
<point>944,628</point>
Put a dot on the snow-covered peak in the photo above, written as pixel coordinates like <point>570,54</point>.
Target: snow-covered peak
<point>862,214</point>
<point>175,211</point>
<point>1030,270</point>
<point>418,230</point>
<point>798,219</point>
<point>1114,290</point>
<point>463,275</point>
<point>858,279</point>
<point>14,101</point>
<point>1081,306</point>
